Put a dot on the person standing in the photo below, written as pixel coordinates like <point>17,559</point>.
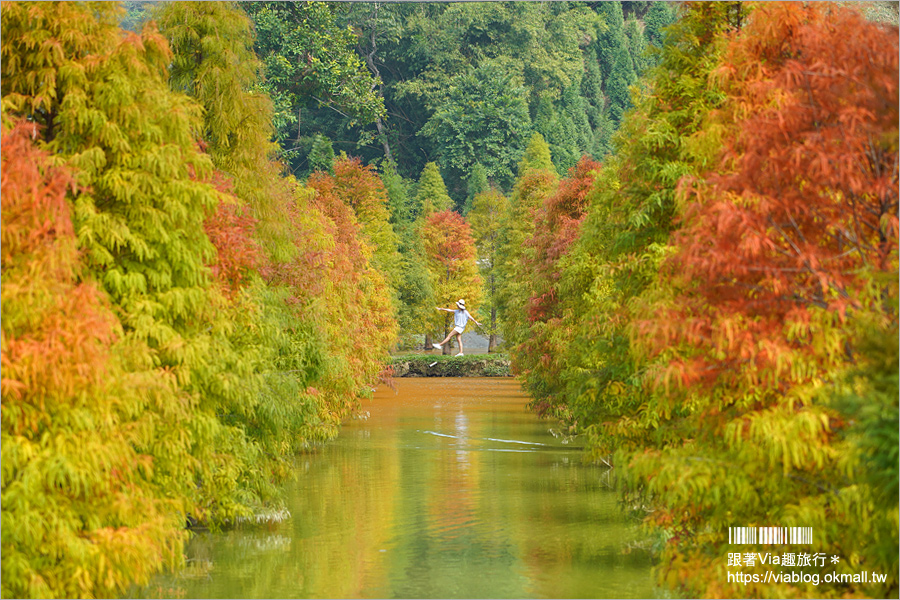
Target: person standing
<point>460,317</point>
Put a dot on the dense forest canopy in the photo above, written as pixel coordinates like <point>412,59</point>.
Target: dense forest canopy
<point>458,84</point>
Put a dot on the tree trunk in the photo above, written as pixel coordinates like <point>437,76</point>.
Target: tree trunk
<point>384,141</point>
<point>492,339</point>
<point>446,349</point>
<point>370,60</point>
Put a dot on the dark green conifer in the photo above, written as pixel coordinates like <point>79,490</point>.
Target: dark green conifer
<point>476,183</point>
<point>321,156</point>
<point>431,192</point>
<point>616,65</point>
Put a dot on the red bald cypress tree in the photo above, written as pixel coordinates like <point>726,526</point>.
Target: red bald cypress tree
<point>785,259</point>
<point>451,260</point>
<point>557,226</point>
<point>803,212</point>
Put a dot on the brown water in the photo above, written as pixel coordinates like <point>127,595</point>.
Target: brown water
<point>449,489</point>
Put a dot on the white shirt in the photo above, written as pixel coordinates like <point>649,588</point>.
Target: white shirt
<point>460,317</point>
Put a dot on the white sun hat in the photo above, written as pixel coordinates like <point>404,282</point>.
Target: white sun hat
<point>461,304</point>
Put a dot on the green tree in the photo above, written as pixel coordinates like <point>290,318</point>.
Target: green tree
<point>489,208</point>
<point>595,105</point>
<point>556,126</point>
<point>536,157</point>
<point>309,61</point>
<point>637,45</point>
<point>214,63</point>
<point>476,183</point>
<point>484,119</point>
<point>616,64</point>
<point>419,49</point>
<point>374,22</point>
<point>660,16</point>
<point>400,198</point>
<point>537,180</point>
<point>431,193</point>
<point>414,286</point>
<point>321,156</point>
<point>866,396</point>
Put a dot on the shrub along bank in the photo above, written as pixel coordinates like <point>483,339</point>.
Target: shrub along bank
<point>427,365</point>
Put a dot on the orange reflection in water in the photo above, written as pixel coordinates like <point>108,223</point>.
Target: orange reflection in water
<point>450,488</point>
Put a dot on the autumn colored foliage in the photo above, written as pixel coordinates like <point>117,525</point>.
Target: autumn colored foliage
<point>785,264</point>
<point>537,180</point>
<point>71,416</point>
<point>713,309</point>
<point>358,301</point>
<point>557,226</point>
<point>360,188</point>
<point>805,208</point>
<point>451,254</point>
<point>231,230</point>
<point>731,296</point>
<point>179,318</point>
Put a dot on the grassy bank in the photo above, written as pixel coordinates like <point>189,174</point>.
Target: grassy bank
<point>436,365</point>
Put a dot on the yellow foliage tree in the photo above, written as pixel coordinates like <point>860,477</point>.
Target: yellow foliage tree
<point>452,266</point>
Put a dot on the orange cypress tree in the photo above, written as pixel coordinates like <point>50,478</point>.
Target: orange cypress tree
<point>361,324</point>
<point>361,188</point>
<point>139,216</point>
<point>451,261</point>
<point>787,251</point>
<point>557,226</point>
<point>230,229</point>
<point>805,210</point>
<point>82,516</point>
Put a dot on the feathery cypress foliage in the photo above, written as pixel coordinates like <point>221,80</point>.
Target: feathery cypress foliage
<point>83,513</point>
<point>453,271</point>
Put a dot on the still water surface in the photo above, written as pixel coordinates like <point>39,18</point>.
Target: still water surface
<point>449,489</point>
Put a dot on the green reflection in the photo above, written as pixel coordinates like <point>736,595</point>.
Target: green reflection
<point>450,489</point>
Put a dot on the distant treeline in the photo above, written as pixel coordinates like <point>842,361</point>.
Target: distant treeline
<point>459,84</point>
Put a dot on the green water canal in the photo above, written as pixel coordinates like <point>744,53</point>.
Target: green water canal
<point>449,489</point>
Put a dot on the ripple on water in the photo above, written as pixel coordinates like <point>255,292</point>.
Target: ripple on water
<point>450,488</point>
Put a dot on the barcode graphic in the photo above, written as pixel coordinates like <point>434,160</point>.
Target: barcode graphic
<point>770,535</point>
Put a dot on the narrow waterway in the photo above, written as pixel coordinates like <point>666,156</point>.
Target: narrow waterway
<point>449,489</point>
